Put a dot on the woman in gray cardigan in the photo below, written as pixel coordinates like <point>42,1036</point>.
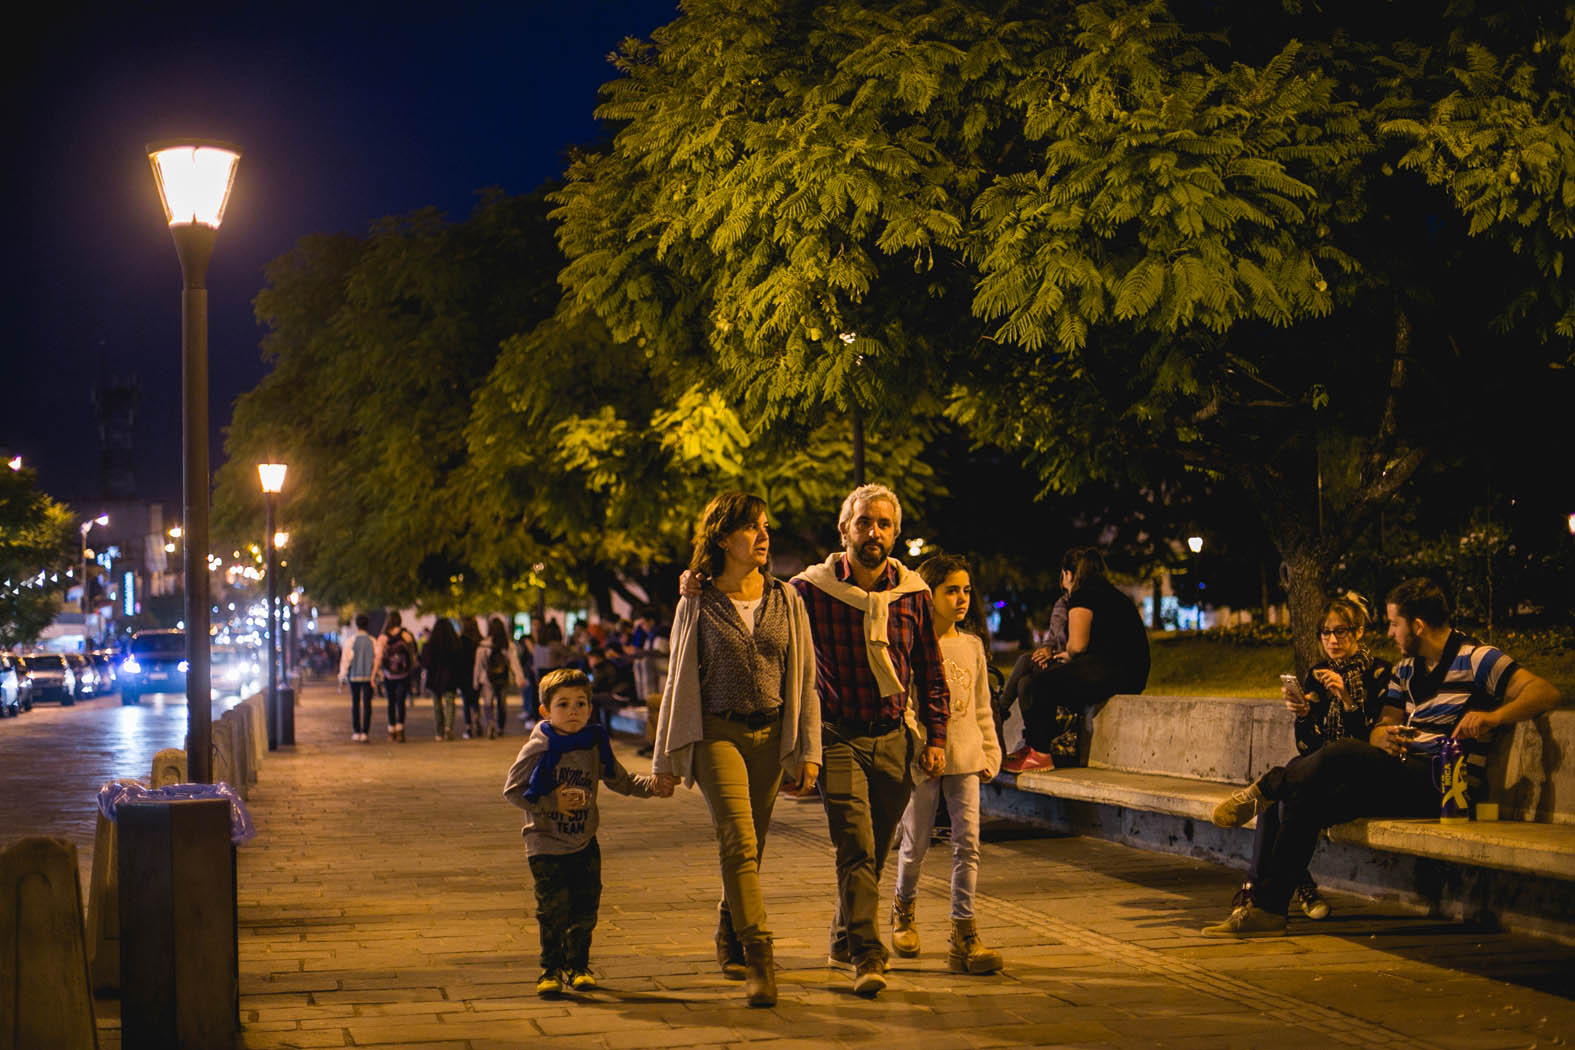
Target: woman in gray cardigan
<point>738,714</point>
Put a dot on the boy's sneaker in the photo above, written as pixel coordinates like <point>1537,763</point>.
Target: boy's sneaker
<point>1248,921</point>
<point>550,983</point>
<point>1312,903</point>
<point>580,980</point>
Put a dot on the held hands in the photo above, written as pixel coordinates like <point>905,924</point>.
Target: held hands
<point>808,772</point>
<point>662,785</point>
<point>689,584</point>
<point>570,798</point>
<point>933,761</point>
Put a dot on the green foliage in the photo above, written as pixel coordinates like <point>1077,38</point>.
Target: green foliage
<point>37,542</point>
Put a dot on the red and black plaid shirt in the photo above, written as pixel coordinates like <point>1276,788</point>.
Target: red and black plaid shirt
<point>847,686</point>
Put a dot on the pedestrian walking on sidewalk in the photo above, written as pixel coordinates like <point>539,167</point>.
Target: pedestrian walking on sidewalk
<point>874,639</point>
<point>554,780</point>
<point>396,663</point>
<point>739,712</point>
<point>972,754</point>
<point>441,661</point>
<point>357,662</point>
<point>469,691</point>
<point>496,666</point>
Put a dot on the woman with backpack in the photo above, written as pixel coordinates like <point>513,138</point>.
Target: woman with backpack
<point>396,663</point>
<point>469,692</point>
<point>496,664</point>
<point>440,661</point>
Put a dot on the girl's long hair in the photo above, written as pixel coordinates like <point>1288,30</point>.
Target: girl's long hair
<point>933,571</point>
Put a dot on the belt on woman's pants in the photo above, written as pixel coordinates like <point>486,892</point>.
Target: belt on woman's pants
<point>849,727</point>
<point>753,720</point>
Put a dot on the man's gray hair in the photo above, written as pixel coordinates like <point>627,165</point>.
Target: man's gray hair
<point>866,493</point>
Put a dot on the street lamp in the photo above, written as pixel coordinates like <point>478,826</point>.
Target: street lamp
<point>1195,545</point>
<point>272,477</point>
<point>85,528</point>
<point>194,178</point>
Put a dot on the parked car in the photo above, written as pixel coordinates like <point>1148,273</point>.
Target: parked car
<point>85,673</point>
<point>47,676</point>
<point>105,661</point>
<point>10,686</point>
<point>155,663</point>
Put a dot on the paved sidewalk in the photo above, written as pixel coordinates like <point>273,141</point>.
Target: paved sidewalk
<point>386,902</point>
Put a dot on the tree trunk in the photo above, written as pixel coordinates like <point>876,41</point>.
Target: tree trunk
<point>1305,575</point>
<point>1156,620</point>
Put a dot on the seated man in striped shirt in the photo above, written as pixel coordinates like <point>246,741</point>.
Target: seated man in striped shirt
<point>1444,686</point>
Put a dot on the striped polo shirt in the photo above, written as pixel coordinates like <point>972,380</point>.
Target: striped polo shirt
<point>1467,677</point>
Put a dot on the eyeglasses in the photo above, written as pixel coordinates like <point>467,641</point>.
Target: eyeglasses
<point>1341,633</point>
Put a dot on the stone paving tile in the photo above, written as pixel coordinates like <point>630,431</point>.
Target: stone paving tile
<point>386,902</point>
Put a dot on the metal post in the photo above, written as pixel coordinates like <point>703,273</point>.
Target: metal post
<point>270,567</point>
<point>194,245</point>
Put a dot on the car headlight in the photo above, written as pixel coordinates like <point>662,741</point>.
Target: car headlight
<point>131,666</point>
<point>90,677</point>
<point>183,667</point>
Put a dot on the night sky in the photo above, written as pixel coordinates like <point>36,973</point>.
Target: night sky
<point>344,113</point>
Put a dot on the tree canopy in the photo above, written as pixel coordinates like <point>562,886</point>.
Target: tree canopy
<point>36,545</point>
<point>1115,239</point>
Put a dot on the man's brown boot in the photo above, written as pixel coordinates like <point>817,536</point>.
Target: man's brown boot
<point>729,952</point>
<point>904,934</point>
<point>968,954</point>
<point>760,980</point>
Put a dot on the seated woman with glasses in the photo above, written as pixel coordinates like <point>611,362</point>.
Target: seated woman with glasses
<point>1341,696</point>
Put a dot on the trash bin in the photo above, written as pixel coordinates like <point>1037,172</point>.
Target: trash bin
<point>179,967</point>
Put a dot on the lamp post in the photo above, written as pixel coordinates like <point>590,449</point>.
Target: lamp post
<point>272,477</point>
<point>281,541</point>
<point>85,528</point>
<point>194,178</point>
<point>1195,545</point>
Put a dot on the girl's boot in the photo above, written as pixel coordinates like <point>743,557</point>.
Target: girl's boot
<point>968,954</point>
<point>904,934</point>
<point>729,950</point>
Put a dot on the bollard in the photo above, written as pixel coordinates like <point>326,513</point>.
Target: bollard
<point>169,767</point>
<point>103,910</point>
<point>45,1001</point>
<point>286,716</point>
<point>180,983</point>
<point>245,772</point>
<point>222,748</point>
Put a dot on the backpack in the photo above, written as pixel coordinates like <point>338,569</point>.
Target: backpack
<point>497,669</point>
<point>396,657</point>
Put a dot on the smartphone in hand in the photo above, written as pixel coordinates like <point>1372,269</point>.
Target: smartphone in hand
<point>1293,686</point>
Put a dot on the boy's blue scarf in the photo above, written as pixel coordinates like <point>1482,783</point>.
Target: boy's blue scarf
<point>543,779</point>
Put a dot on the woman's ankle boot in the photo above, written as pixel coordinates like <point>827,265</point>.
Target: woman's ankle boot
<point>968,954</point>
<point>904,934</point>
<point>760,979</point>
<point>729,952</point>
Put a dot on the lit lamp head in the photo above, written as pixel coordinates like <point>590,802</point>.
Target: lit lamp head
<point>1195,544</point>
<point>272,476</point>
<point>194,177</point>
<point>281,540</point>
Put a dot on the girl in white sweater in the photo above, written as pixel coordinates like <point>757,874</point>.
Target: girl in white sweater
<point>973,754</point>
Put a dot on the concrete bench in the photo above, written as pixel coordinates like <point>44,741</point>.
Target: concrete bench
<point>1158,765</point>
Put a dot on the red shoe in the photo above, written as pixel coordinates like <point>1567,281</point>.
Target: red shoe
<point>1027,761</point>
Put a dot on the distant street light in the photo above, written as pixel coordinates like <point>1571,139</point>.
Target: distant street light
<point>87,574</point>
<point>1572,524</point>
<point>194,178</point>
<point>1195,544</point>
<point>15,463</point>
<point>272,477</point>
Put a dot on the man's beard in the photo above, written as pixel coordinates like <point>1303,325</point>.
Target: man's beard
<point>1412,646</point>
<point>864,557</point>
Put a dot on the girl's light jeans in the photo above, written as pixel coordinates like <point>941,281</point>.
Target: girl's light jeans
<point>918,821</point>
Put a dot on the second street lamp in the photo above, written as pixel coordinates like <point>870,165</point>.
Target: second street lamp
<point>87,573</point>
<point>272,477</point>
<point>194,178</point>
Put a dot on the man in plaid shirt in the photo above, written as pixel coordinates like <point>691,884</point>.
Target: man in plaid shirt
<point>870,618</point>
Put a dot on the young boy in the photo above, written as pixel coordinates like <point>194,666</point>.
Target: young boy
<point>554,781</point>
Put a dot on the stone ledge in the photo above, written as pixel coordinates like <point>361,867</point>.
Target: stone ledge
<point>1538,849</point>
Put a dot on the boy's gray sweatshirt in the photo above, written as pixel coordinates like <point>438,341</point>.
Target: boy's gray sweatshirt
<point>547,830</point>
